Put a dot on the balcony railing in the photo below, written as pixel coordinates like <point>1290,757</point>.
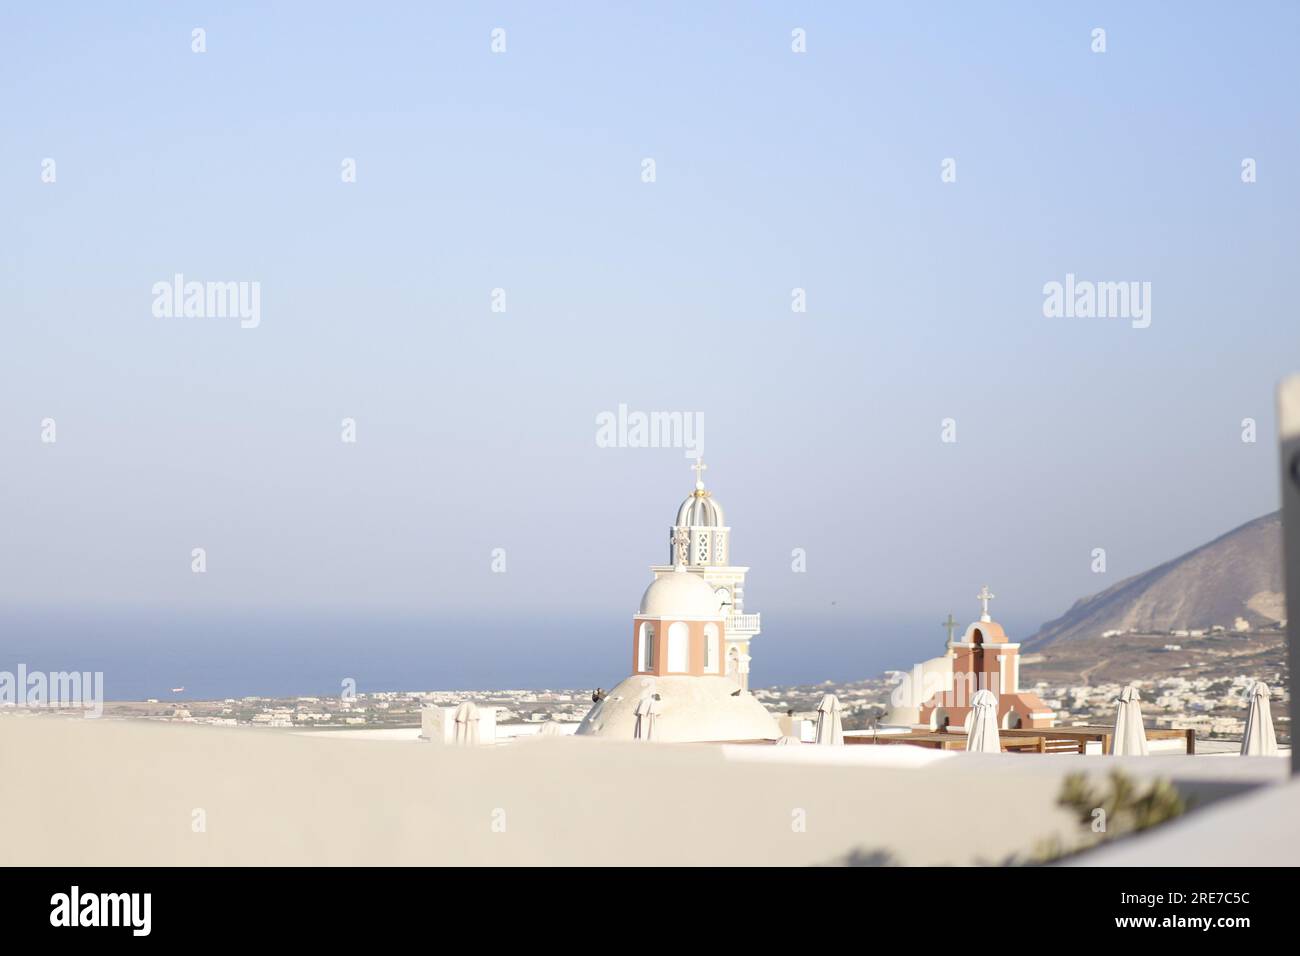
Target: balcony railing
<point>742,622</point>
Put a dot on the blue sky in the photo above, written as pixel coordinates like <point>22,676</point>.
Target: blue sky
<point>775,170</point>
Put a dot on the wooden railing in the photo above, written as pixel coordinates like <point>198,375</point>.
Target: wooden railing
<point>1044,740</point>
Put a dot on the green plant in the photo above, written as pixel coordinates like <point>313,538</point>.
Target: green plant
<point>1106,810</point>
<point>1121,808</point>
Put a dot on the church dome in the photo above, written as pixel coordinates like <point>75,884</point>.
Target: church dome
<point>680,595</point>
<point>700,510</point>
<point>687,709</point>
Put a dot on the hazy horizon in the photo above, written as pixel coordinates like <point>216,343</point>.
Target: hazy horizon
<point>310,651</point>
<point>235,654</point>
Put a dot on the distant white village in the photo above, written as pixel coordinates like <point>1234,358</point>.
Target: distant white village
<point>1212,708</point>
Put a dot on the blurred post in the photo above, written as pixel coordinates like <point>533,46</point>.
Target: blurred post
<point>1288,418</point>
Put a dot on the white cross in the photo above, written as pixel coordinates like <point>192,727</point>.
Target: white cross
<point>699,467</point>
<point>984,597</point>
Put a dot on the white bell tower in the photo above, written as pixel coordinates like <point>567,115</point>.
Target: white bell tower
<point>699,541</point>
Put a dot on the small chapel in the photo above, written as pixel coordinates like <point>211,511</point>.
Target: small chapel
<point>984,659</point>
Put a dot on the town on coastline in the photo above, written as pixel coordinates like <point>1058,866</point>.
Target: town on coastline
<point>1212,704</point>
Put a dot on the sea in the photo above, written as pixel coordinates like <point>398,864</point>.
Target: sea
<point>213,654</point>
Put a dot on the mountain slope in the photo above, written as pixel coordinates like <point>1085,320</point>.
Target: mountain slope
<point>1236,575</point>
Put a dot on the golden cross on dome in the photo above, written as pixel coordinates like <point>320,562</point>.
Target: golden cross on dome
<point>699,467</point>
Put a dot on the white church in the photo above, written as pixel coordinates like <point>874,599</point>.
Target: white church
<point>690,643</point>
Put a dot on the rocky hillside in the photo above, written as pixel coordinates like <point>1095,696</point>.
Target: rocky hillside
<point>1238,575</point>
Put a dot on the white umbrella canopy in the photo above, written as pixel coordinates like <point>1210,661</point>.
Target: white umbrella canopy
<point>552,728</point>
<point>830,728</point>
<point>1259,740</point>
<point>647,709</point>
<point>983,737</point>
<point>467,723</point>
<point>788,741</point>
<point>1130,736</point>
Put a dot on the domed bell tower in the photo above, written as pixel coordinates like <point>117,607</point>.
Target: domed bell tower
<point>699,542</point>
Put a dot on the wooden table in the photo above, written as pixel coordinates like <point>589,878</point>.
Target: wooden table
<point>1076,739</point>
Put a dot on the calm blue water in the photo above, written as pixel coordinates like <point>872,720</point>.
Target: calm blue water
<point>145,653</point>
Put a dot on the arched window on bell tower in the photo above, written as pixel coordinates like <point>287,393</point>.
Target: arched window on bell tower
<point>679,648</point>
<point>712,652</point>
<point>645,651</point>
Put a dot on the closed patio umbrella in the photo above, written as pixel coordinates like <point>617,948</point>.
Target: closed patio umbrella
<point>1259,740</point>
<point>830,729</point>
<point>466,723</point>
<point>983,737</point>
<point>1130,736</point>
